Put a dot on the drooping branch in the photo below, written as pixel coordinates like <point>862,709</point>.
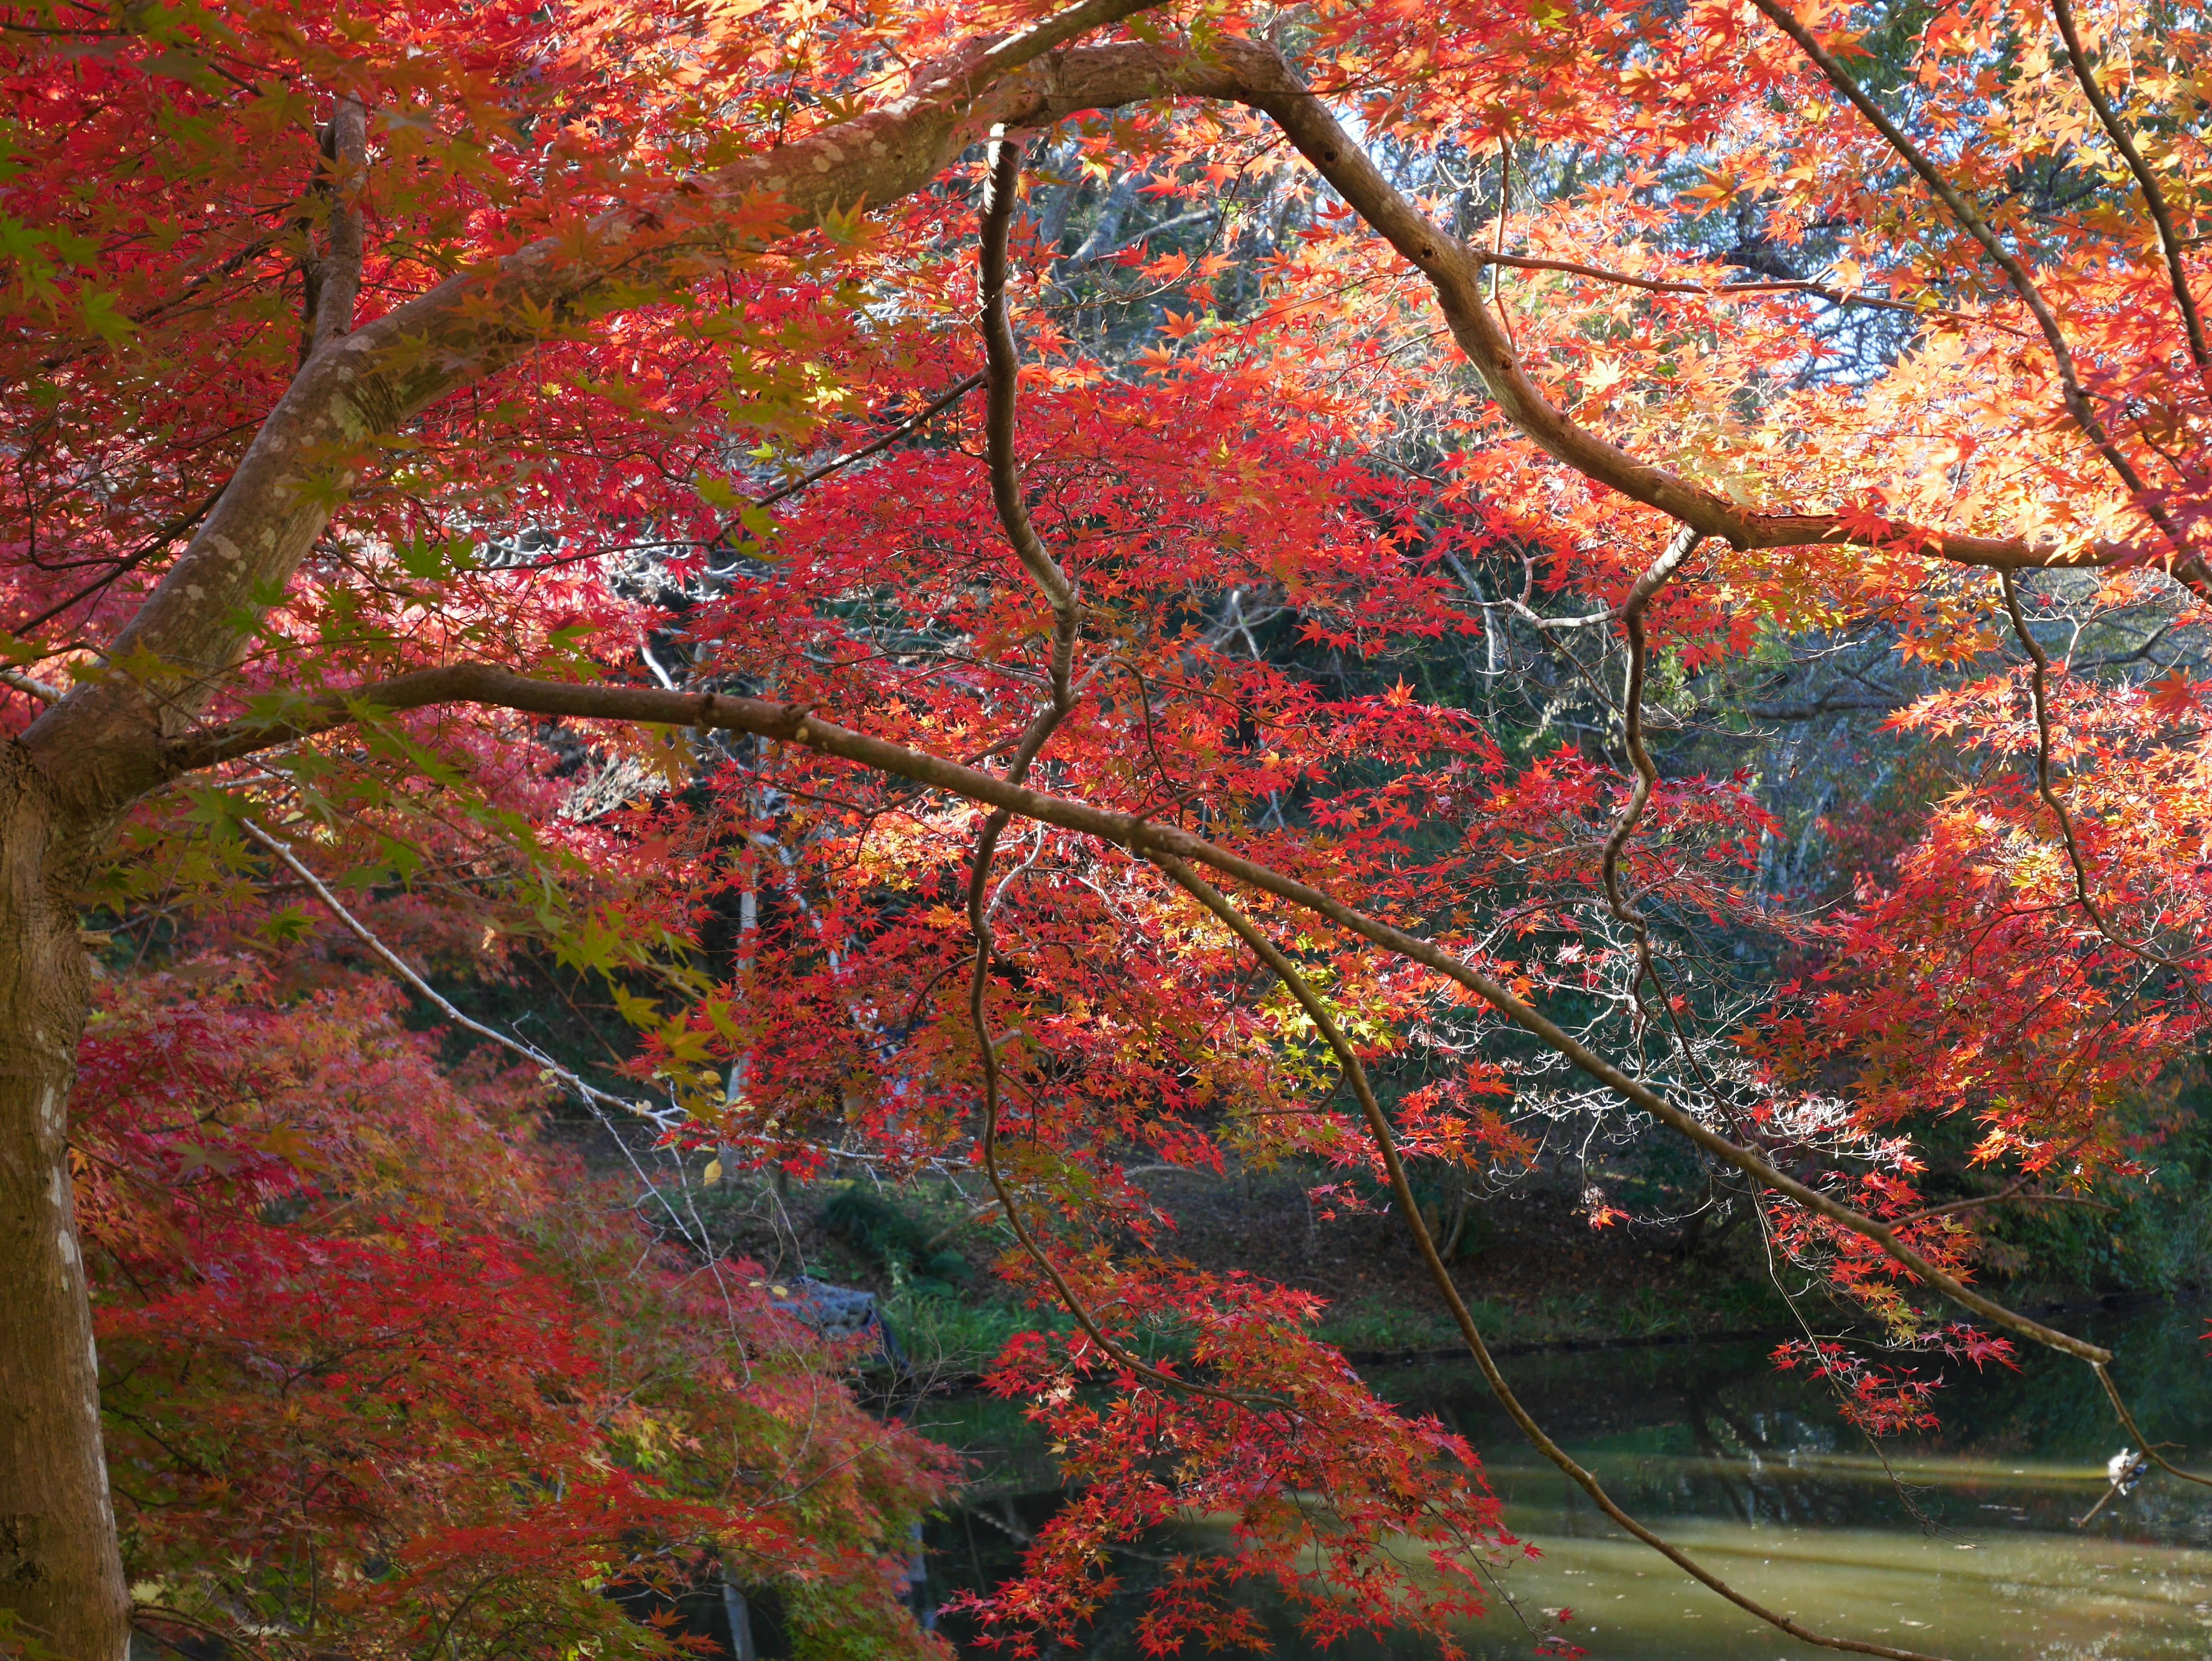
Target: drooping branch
<point>591,1095</point>
<point>1002,174</point>
<point>1402,1193</point>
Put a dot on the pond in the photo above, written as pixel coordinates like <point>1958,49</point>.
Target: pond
<point>1962,1543</point>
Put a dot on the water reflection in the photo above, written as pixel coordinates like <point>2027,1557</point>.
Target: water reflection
<point>1962,1543</point>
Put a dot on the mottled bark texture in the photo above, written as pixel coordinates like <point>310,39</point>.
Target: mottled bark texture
<point>60,1572</point>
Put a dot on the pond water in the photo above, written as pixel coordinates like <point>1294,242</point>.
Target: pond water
<point>1965,1546</point>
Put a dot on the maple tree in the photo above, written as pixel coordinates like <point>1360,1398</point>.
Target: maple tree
<point>672,485</point>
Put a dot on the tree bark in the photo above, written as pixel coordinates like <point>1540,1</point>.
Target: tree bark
<point>61,1574</point>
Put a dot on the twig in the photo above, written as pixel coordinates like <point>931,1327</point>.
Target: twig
<point>876,445</point>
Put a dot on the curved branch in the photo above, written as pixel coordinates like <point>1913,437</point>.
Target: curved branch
<point>105,744</point>
<point>1640,595</point>
<point>790,724</point>
<point>1454,270</point>
<point>1002,173</point>
<point>2016,273</point>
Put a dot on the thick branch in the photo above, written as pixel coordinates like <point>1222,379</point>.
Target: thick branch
<point>337,273</point>
<point>101,747</point>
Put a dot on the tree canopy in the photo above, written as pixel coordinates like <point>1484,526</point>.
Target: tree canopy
<point>1033,589</point>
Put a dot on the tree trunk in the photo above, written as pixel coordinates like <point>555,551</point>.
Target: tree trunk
<point>61,1576</point>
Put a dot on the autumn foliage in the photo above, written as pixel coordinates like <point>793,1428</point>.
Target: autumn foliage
<point>541,463</point>
<point>381,1374</point>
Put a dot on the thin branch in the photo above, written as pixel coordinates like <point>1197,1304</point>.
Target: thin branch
<point>2039,673</point>
<point>2128,1423</point>
<point>2169,240</point>
<point>2189,567</point>
<point>399,966</point>
<point>1002,174</point>
<point>1739,290</point>
<point>883,441</point>
<point>2010,1196</point>
<point>162,536</point>
<point>1378,1125</point>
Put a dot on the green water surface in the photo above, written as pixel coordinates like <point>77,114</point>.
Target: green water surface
<point>1962,1543</point>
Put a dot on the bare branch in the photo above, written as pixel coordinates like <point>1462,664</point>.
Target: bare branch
<point>1378,1126</point>
<point>399,966</point>
<point>31,685</point>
